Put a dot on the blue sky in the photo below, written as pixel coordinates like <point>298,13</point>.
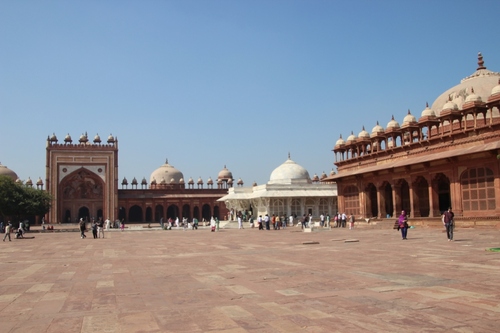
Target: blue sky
<point>236,83</point>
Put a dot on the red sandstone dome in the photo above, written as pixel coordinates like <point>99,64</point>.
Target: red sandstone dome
<point>480,84</point>
<point>166,171</point>
<point>225,174</point>
<point>4,171</point>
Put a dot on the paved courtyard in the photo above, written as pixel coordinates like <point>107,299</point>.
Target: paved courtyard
<point>251,281</point>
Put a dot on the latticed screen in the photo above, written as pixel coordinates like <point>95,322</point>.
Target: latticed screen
<point>351,199</point>
<point>478,192</point>
<point>323,206</point>
<point>296,207</point>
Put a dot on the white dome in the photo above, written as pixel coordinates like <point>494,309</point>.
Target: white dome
<point>392,124</point>
<point>473,97</point>
<point>409,119</point>
<point>427,112</point>
<point>340,141</point>
<point>166,171</point>
<point>496,89</point>
<point>482,80</point>
<point>363,134</point>
<point>376,130</point>
<point>351,137</point>
<point>288,173</point>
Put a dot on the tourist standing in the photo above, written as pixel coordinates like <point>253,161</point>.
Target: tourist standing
<point>94,229</point>
<point>403,224</point>
<point>195,223</point>
<point>260,222</point>
<point>343,219</point>
<point>240,222</point>
<point>448,222</point>
<point>122,224</point>
<point>100,228</point>
<point>8,228</point>
<point>266,221</point>
<point>322,220</point>
<point>290,220</point>
<point>351,222</point>
<point>108,223</point>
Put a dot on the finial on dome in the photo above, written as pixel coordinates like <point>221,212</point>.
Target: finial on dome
<point>377,123</point>
<point>363,127</point>
<point>392,117</point>
<point>166,161</point>
<point>480,61</point>
<point>426,104</point>
<point>409,111</point>
<point>288,155</point>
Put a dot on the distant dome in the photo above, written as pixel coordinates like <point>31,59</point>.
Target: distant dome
<point>363,134</point>
<point>409,119</point>
<point>473,97</point>
<point>450,105</point>
<point>166,171</point>
<point>377,130</point>
<point>4,171</point>
<point>68,139</point>
<point>225,174</point>
<point>289,172</point>
<point>83,138</point>
<point>496,89</point>
<point>428,112</point>
<point>97,139</point>
<point>340,141</point>
<point>111,139</point>
<point>351,137</point>
<point>393,124</point>
<point>482,80</point>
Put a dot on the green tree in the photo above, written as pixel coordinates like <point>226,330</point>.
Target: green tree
<point>17,200</point>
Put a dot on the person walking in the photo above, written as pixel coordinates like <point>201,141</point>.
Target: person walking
<point>449,223</point>
<point>82,228</point>
<point>8,229</point>
<point>403,224</point>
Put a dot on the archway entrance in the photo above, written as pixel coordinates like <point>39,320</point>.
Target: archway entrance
<point>443,190</point>
<point>82,195</point>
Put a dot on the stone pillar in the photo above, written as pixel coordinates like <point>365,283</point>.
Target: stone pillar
<point>396,200</point>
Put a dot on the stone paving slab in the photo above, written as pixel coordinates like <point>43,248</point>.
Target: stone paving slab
<point>251,281</point>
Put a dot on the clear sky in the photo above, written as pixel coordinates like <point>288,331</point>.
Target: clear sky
<point>236,83</point>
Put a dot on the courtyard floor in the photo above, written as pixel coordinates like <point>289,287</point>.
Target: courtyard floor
<point>361,280</point>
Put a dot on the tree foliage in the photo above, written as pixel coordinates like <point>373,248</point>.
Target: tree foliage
<point>19,200</point>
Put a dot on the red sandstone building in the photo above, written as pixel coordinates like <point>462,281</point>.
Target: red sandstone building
<point>450,156</point>
<point>83,180</point>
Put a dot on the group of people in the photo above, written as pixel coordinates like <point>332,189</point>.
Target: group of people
<point>185,224</point>
<point>97,227</point>
<point>8,229</point>
<point>447,219</point>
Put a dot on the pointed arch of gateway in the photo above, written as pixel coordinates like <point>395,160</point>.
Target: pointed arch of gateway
<point>386,203</point>
<point>81,188</point>
<point>441,185</point>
